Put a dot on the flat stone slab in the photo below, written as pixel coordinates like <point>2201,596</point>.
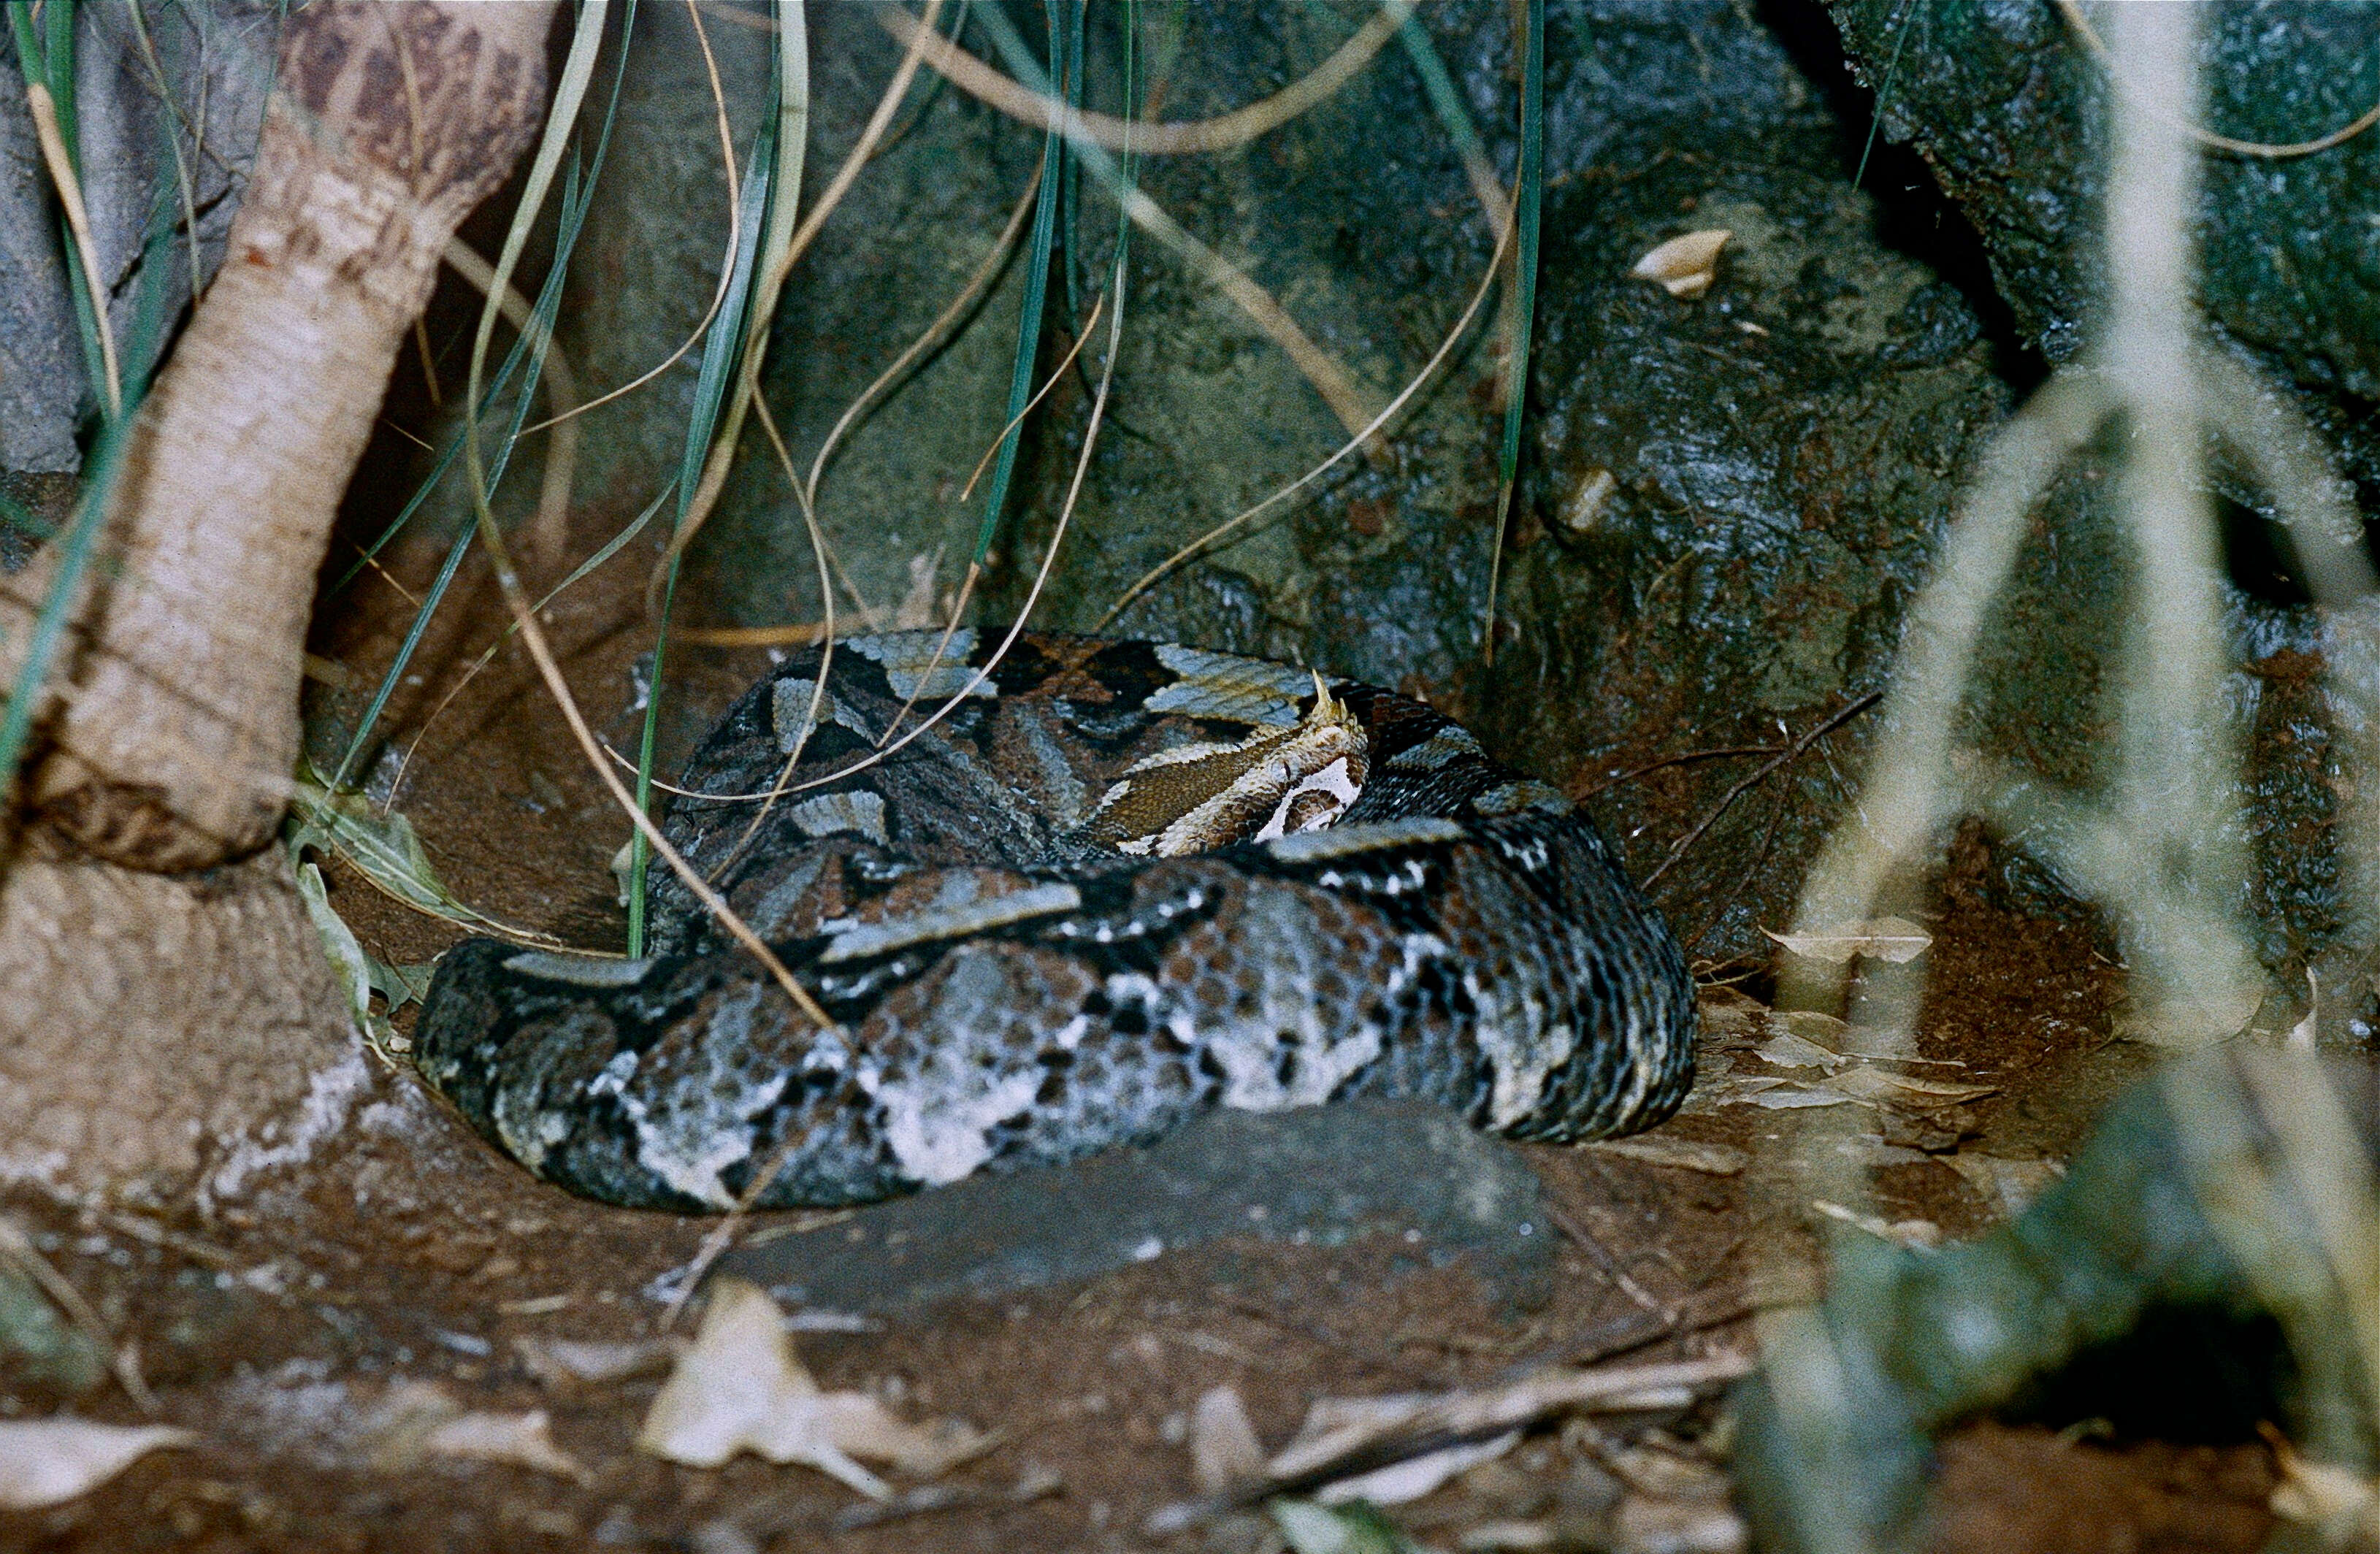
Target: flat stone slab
<point>1322,1176</point>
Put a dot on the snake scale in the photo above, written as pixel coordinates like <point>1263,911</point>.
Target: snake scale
<point>1116,884</point>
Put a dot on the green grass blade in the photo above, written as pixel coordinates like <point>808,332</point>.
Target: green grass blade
<point>1532,210</point>
<point>529,350</point>
<point>58,75</point>
<point>722,355</point>
<point>82,535</point>
<point>1037,289</point>
<point>1438,87</point>
<point>48,57</point>
<point>565,241</point>
<point>1528,217</point>
<point>1071,208</point>
<point>576,197</point>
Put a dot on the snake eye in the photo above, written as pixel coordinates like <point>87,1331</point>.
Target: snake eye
<point>1313,802</point>
<point>1311,810</point>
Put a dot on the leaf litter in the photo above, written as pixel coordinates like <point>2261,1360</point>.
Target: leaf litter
<point>49,1461</point>
<point>741,1387</point>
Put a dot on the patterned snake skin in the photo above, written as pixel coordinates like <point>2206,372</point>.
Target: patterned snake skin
<point>1018,973</point>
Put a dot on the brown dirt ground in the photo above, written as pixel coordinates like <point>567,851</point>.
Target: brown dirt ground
<point>276,1328</point>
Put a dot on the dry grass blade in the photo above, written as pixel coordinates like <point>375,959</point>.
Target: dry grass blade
<point>935,334</point>
<point>1348,400</point>
<point>516,598</point>
<point>162,90</point>
<point>2160,845</point>
<point>611,548</point>
<point>1025,614</point>
<point>1350,1441</point>
<point>1220,133</point>
<point>974,568</point>
<point>1082,335</point>
<point>714,473</point>
<point>1394,407</point>
<point>549,156</point>
<point>45,111</point>
<point>727,260</point>
<point>550,530</point>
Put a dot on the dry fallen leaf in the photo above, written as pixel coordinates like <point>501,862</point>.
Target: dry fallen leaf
<point>1682,1154</point>
<point>563,1362</point>
<point>1225,1451</point>
<point>49,1461</point>
<point>1686,265</point>
<point>1417,1477</point>
<point>1866,1082</point>
<point>2338,1502</point>
<point>1885,939</point>
<point>1788,1097</point>
<point>741,1388</point>
<point>1795,1052</point>
<point>521,1439</point>
<point>1724,1013</point>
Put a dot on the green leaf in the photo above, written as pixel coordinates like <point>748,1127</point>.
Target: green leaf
<point>400,984</point>
<point>1528,215</point>
<point>384,849</point>
<point>349,962</point>
<point>1357,1528</point>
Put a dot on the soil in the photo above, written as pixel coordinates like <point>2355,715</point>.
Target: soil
<point>285,1329</point>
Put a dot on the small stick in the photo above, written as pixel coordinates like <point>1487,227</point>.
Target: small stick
<point>1783,758</point>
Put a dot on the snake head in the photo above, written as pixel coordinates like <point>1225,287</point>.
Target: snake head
<point>1278,782</point>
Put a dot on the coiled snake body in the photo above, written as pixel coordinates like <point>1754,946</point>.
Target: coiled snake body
<point>1120,883</point>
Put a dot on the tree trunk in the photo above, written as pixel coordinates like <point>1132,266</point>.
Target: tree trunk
<point>163,999</point>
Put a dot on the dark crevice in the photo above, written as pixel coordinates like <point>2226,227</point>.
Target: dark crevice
<point>1913,217</point>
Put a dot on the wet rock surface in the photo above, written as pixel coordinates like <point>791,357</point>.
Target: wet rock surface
<point>1726,501</point>
<point>2006,101</point>
<point>1319,1176</point>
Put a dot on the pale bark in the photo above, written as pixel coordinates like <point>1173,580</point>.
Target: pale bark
<point>164,998</point>
<point>179,727</point>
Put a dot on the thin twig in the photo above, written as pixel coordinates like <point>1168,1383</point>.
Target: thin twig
<point>1783,759</point>
<point>1649,767</point>
<point>1601,1255</point>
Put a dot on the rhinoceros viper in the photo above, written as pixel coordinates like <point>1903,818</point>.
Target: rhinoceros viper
<point>1119,884</point>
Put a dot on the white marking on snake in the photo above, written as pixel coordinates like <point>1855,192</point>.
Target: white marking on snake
<point>905,656</point>
<point>830,813</point>
<point>1321,798</point>
<point>875,939</point>
<point>1338,842</point>
<point>579,971</point>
